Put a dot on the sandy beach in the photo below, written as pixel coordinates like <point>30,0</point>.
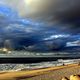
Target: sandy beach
<point>51,73</point>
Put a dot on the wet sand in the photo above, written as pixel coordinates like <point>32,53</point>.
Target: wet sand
<point>51,73</point>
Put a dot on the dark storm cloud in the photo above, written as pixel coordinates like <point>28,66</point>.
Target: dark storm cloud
<point>60,12</point>
<point>39,25</point>
<point>56,9</point>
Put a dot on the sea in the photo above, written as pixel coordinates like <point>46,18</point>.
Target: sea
<point>34,60</point>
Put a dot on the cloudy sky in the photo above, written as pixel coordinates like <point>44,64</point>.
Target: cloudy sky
<point>39,25</point>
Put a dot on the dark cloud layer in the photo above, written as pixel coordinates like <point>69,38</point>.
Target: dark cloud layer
<point>49,25</point>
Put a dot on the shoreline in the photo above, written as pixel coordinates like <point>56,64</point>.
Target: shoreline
<point>10,75</point>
